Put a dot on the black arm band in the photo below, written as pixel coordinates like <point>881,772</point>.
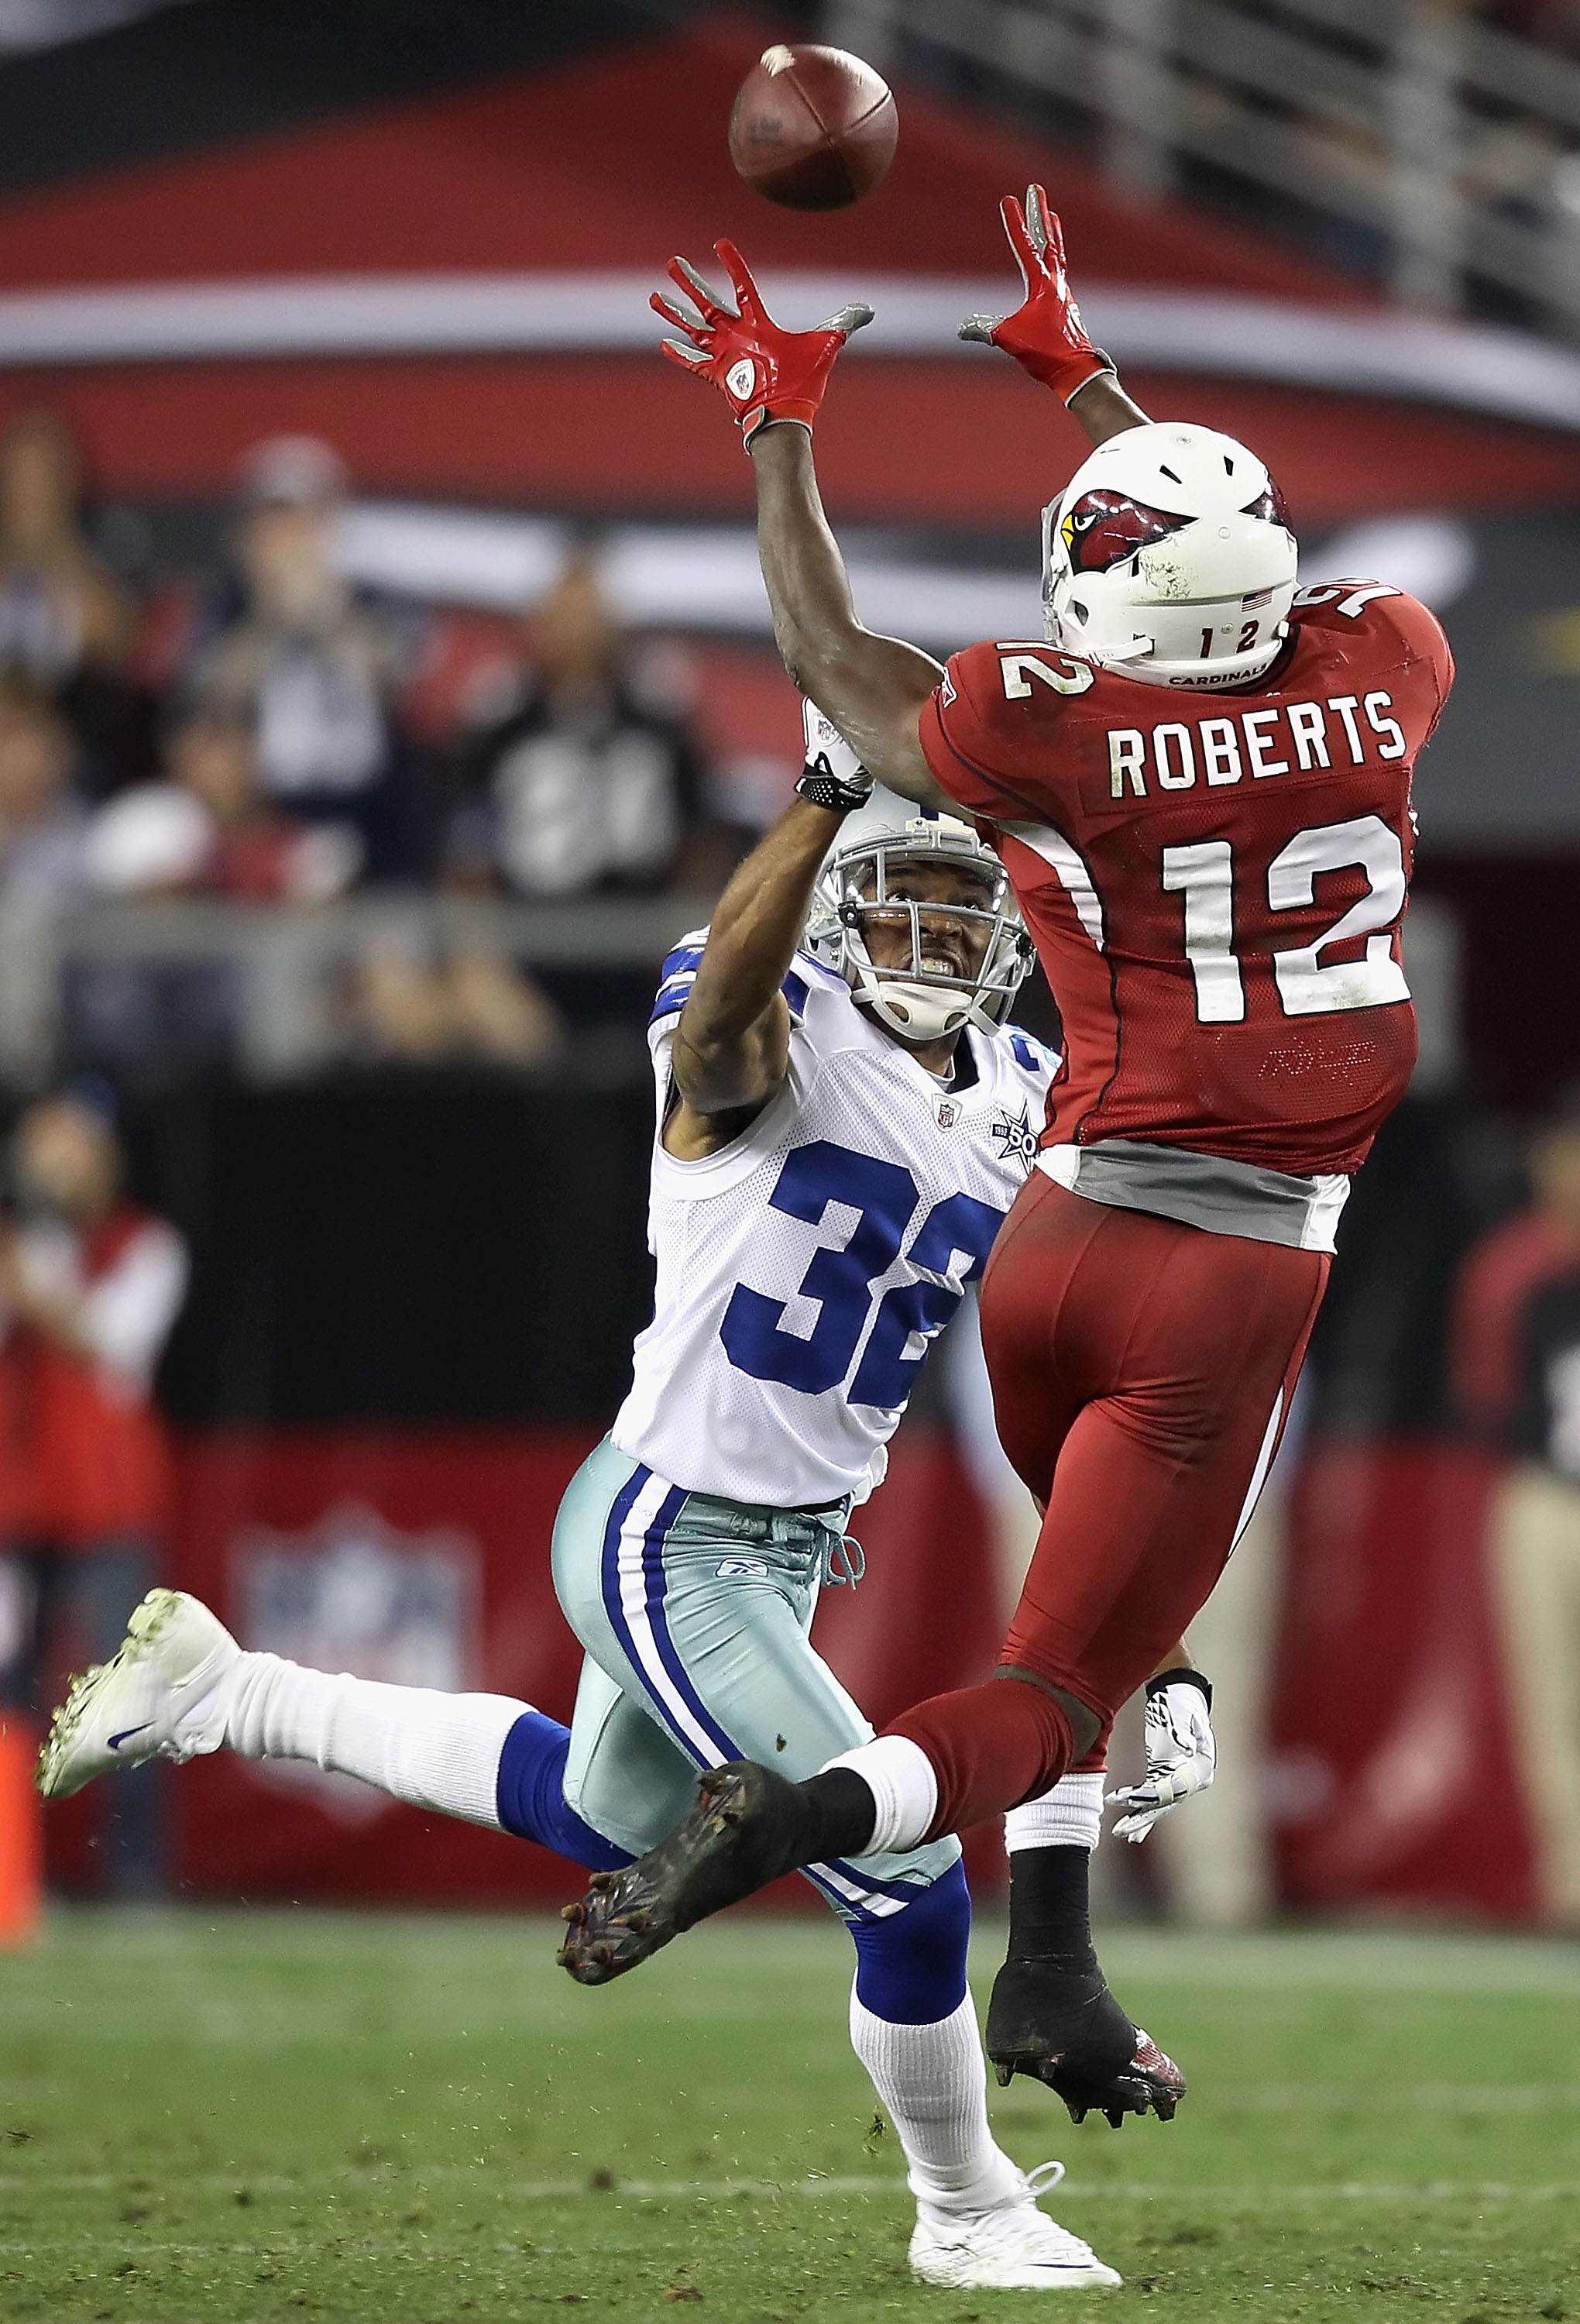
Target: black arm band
<point>1183,1676</point>
<point>821,788</point>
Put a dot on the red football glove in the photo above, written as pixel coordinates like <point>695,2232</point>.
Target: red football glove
<point>1045,334</point>
<point>762,372</point>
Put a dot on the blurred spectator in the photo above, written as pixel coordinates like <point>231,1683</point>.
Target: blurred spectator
<point>473,1005</point>
<point>66,619</point>
<point>41,821</point>
<point>90,1285</point>
<point>61,609</point>
<point>206,830</point>
<point>584,785</point>
<point>1516,1357</point>
<point>311,668</point>
<point>1509,1266</point>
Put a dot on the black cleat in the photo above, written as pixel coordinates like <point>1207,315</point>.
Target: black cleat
<point>747,1827</point>
<point>1066,2029</point>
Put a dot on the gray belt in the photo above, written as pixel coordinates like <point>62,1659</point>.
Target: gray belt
<point>817,1535</point>
<point>1202,1190</point>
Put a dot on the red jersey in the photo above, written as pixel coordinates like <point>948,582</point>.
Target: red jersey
<point>82,1452</point>
<point>1215,881</point>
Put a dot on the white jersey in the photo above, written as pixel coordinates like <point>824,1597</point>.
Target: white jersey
<point>804,1269</point>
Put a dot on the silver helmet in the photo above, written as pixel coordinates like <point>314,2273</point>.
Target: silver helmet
<point>918,1003</point>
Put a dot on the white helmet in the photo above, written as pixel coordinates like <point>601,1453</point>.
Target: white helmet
<point>1168,556</point>
<point>917,1003</point>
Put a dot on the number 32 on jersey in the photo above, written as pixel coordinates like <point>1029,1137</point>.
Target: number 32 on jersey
<point>949,1248</point>
<point>1204,876</point>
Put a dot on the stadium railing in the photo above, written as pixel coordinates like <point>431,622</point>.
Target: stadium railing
<point>268,980</point>
<point>1435,151</point>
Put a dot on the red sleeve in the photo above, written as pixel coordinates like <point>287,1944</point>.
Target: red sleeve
<point>958,740</point>
<point>1421,633</point>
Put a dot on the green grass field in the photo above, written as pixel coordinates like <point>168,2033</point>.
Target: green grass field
<point>253,2115</point>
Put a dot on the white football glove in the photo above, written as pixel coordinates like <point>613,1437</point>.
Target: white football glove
<point>1181,1756</point>
<point>833,776</point>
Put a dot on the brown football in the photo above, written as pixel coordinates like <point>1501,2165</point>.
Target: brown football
<point>814,128</point>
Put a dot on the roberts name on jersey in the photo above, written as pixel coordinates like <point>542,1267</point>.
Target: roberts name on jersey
<point>1215,881</point>
<point>804,1269</point>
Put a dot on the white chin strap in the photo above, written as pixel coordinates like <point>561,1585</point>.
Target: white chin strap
<point>916,1012</point>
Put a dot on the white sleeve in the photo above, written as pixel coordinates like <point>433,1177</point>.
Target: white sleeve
<point>677,977</point>
<point>129,1312</point>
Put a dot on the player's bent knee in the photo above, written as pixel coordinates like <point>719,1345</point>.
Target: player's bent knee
<point>1085,1725</point>
<point>911,1965</point>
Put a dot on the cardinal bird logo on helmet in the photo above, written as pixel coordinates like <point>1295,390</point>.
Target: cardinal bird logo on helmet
<point>1103,529</point>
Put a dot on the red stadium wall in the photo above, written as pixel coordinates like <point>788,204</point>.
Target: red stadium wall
<point>313,1538</point>
<point>1393,1779</point>
<point>1391,1782</point>
<point>581,167</point>
<point>912,440</point>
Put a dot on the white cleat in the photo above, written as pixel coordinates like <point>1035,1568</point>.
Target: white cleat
<point>158,1698</point>
<point>1014,2247</point>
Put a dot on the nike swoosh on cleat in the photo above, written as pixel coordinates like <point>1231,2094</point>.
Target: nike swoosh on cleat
<point>113,1742</point>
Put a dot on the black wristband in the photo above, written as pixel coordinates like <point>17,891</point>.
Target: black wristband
<point>821,787</point>
<point>1185,1675</point>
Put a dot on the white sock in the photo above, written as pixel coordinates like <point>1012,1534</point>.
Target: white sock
<point>434,1750</point>
<point>1069,1816</point>
<point>903,1785</point>
<point>933,2084</point>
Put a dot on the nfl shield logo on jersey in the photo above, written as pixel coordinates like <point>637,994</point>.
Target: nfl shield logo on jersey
<point>948,1111</point>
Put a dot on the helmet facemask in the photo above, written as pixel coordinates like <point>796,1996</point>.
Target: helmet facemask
<point>918,1003</point>
<point>1168,557</point>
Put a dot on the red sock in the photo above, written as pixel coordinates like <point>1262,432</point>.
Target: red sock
<point>991,1747</point>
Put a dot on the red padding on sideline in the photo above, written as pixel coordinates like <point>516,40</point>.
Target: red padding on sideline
<point>925,1619</point>
<point>1393,1780</point>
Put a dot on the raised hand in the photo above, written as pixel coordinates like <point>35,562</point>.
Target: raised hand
<point>1045,334</point>
<point>763,371</point>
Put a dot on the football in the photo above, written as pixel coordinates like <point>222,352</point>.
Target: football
<point>813,128</point>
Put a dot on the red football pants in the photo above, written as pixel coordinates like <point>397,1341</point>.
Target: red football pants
<point>1141,1371</point>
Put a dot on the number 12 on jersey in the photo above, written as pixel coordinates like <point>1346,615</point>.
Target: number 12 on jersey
<point>1203,874</point>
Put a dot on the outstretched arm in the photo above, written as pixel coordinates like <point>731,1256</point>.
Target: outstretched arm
<point>872,688</point>
<point>1045,334</point>
<point>731,1049</point>
<point>1104,409</point>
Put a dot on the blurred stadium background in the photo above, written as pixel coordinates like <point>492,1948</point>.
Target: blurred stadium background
<point>385,680</point>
